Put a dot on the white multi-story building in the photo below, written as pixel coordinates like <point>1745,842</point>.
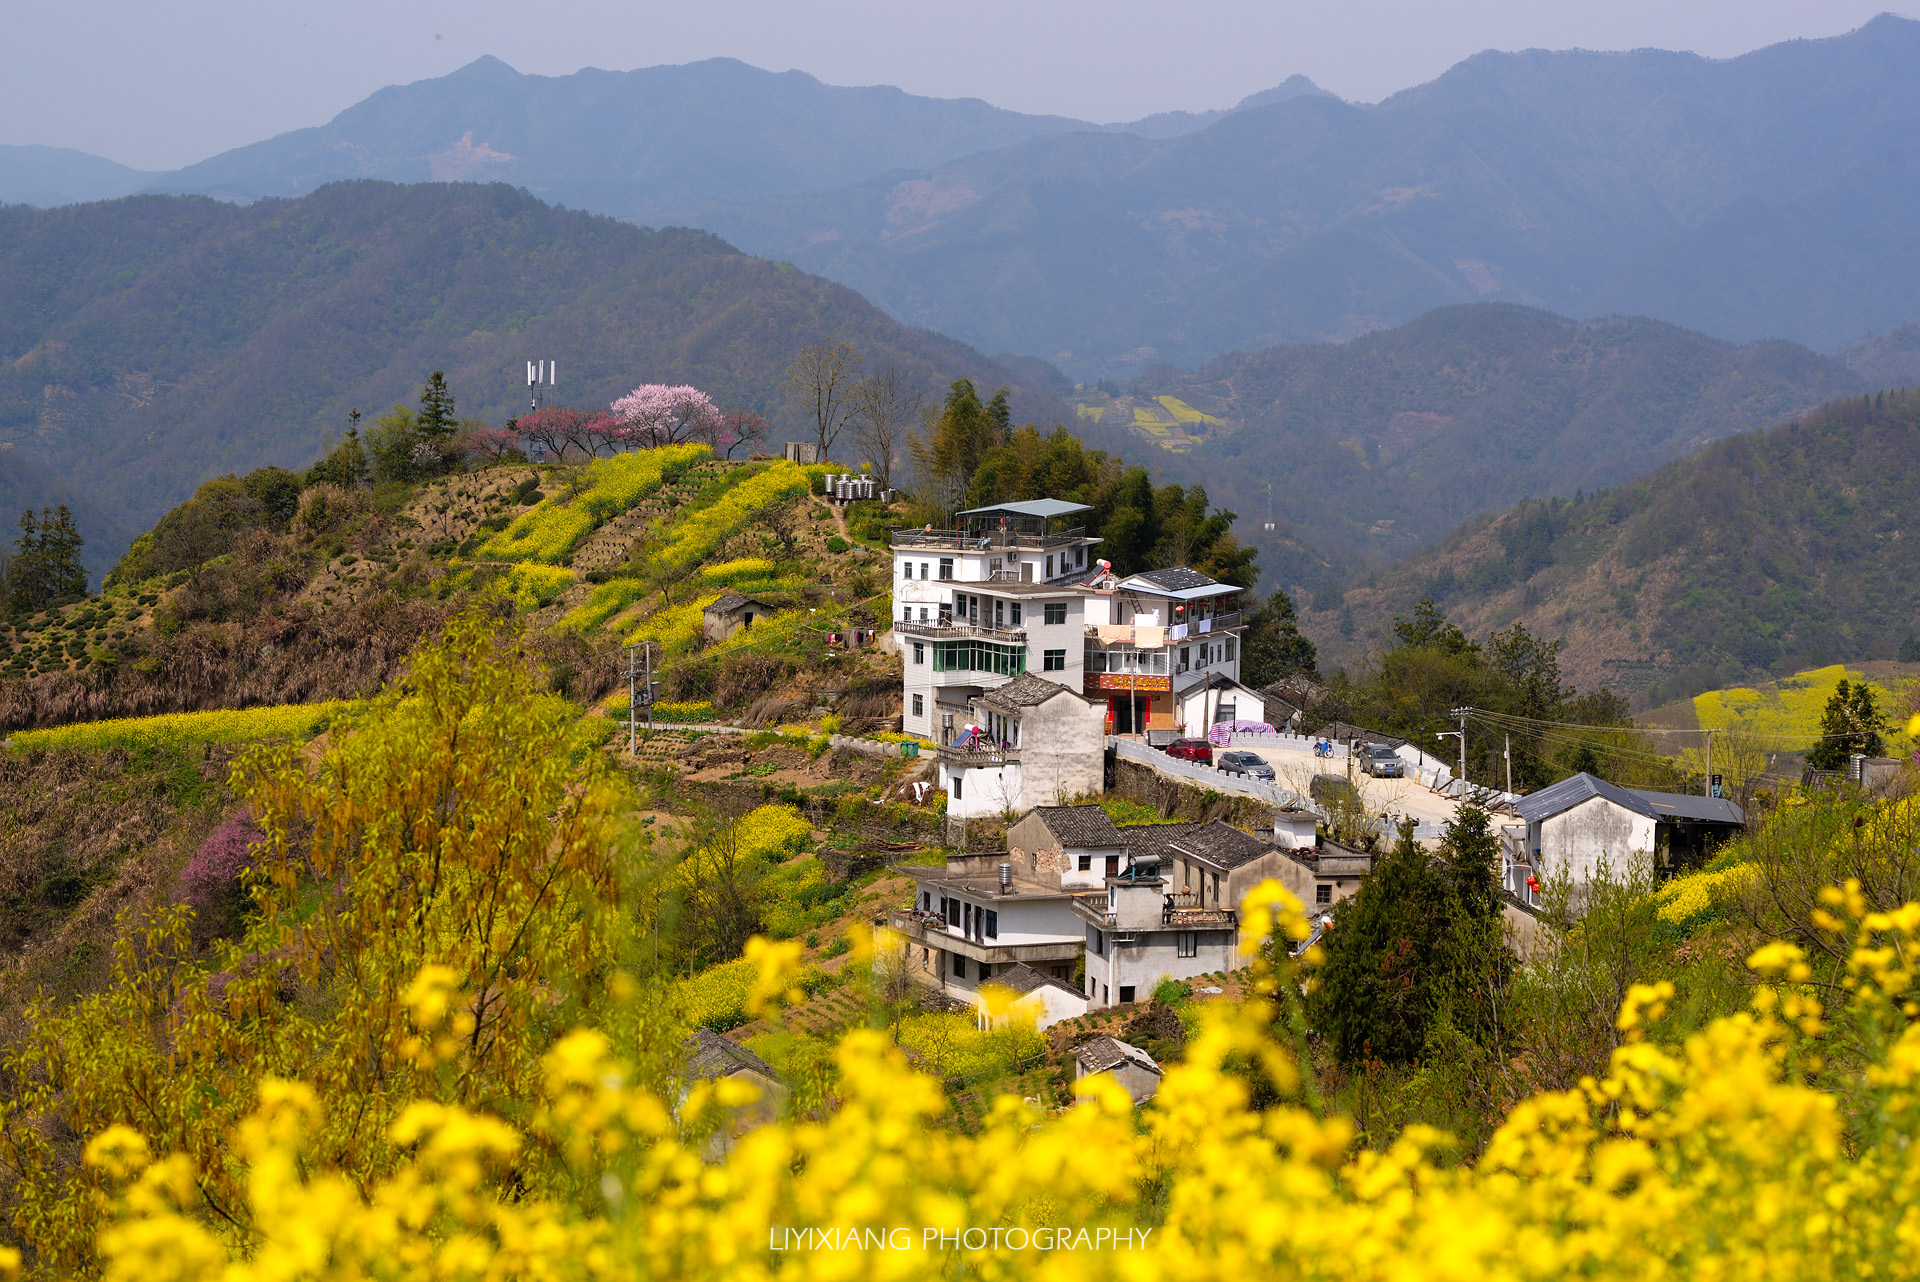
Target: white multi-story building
<point>1017,588</point>
<point>977,606</point>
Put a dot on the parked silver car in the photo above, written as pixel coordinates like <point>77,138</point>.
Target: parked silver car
<point>1244,763</point>
<point>1382,762</point>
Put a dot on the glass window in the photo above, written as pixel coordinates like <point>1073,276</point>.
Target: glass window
<point>919,652</point>
<point>957,777</point>
<point>1189,943</point>
<point>1086,863</point>
<point>1323,894</point>
<point>1016,614</point>
<point>919,708</point>
<point>1049,565</point>
<point>1056,612</point>
<point>946,567</point>
<point>923,614</point>
<point>1055,661</point>
<point>993,924</point>
<point>923,569</point>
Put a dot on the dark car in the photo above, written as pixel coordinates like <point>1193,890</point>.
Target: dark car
<point>1191,750</point>
<point>1382,762</point>
<point>1244,763</point>
<point>1332,791</point>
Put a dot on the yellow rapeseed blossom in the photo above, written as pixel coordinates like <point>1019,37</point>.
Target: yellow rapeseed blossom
<point>178,729</point>
<point>1710,1158</point>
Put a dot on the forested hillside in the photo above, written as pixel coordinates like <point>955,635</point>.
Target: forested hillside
<point>1763,554</point>
<point>1378,446</point>
<point>148,344</point>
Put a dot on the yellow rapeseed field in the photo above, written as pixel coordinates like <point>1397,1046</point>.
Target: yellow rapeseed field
<point>241,725</point>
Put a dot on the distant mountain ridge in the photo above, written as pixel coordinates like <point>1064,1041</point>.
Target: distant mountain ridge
<point>1764,196</point>
<point>1761,555</point>
<point>150,343</point>
<point>642,145</point>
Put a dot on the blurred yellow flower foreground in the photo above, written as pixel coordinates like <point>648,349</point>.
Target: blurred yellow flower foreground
<point>1711,1159</point>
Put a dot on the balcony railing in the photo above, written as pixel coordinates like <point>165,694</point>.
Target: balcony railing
<point>978,754</point>
<point>934,630</point>
<point>1183,909</point>
<point>980,540</point>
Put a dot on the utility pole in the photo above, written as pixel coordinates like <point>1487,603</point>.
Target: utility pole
<point>1509,756</point>
<point>633,710</point>
<point>1709,779</point>
<point>648,646</point>
<point>1462,714</point>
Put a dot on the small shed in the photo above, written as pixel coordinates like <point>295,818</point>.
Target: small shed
<point>1132,1067</point>
<point>1573,824</point>
<point>731,613</point>
<point>711,1057</point>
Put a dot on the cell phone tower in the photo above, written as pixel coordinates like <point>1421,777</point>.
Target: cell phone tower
<point>540,380</point>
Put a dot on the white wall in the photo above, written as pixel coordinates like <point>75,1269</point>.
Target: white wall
<point>1574,840</point>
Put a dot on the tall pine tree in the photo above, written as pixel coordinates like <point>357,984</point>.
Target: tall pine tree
<point>436,421</point>
<point>46,567</point>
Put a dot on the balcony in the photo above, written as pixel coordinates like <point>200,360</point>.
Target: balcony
<point>978,755</point>
<point>986,540</point>
<point>934,630</point>
<point>1183,909</point>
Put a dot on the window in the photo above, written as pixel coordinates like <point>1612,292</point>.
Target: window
<point>993,924</point>
<point>1056,612</point>
<point>979,656</point>
<point>1187,943</point>
<point>907,567</point>
<point>923,570</point>
<point>919,652</point>
<point>957,777</point>
<point>1054,661</point>
<point>959,966</point>
<point>924,954</point>
<point>1186,657</point>
<point>1126,994</point>
<point>1186,873</point>
<point>1103,995</point>
<point>1016,614</point>
<point>919,708</point>
<point>1086,863</point>
<point>950,909</point>
<point>1230,649</point>
<point>1097,941</point>
<point>946,567</point>
<point>926,901</point>
<point>1049,565</point>
<point>1113,865</point>
<point>923,614</point>
<point>1323,894</point>
<point>1216,890</point>
<point>966,919</point>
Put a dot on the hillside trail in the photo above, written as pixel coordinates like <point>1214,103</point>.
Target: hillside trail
<point>839,514</point>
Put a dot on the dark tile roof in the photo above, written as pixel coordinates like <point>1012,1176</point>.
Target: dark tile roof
<point>1103,1053</point>
<point>1079,826</point>
<point>1149,841</point>
<point>1570,792</point>
<point>1684,805</point>
<point>711,1055</point>
<point>1340,731</point>
<point>1177,579</point>
<point>1024,691</point>
<point>1223,845</point>
<point>1022,978</point>
<point>733,601</point>
<point>1220,844</point>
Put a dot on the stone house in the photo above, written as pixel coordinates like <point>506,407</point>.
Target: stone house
<point>729,614</point>
<point>1323,875</point>
<point>1574,824</point>
<point>1132,1067</point>
<point>711,1057</point>
<point>1031,742</point>
<point>1078,846</point>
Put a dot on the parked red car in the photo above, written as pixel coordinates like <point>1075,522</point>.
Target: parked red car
<point>1191,750</point>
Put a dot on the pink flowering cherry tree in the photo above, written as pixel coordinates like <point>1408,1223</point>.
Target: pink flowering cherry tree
<point>655,414</point>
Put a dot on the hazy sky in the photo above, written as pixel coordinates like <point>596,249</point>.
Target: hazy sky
<point>160,85</point>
